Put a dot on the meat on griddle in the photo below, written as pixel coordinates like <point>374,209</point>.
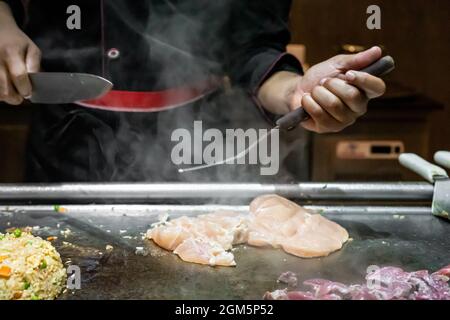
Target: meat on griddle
<point>388,283</point>
<point>273,221</point>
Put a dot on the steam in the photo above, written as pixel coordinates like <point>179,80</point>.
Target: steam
<point>186,43</point>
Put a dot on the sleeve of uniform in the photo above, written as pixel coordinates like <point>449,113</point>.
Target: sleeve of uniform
<point>258,40</point>
<point>259,36</point>
<point>17,9</point>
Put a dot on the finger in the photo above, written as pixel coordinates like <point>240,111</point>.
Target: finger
<point>18,73</point>
<point>360,60</point>
<point>296,101</point>
<point>7,92</point>
<point>320,120</point>
<point>3,83</point>
<point>310,125</point>
<point>333,105</point>
<point>371,85</point>
<point>33,59</point>
<point>13,98</point>
<point>349,94</point>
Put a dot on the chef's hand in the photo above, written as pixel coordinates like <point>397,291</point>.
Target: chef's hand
<point>18,57</point>
<point>332,92</point>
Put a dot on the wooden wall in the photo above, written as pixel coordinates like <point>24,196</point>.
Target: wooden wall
<point>415,32</point>
<point>13,135</point>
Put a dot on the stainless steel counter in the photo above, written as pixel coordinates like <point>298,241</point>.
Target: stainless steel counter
<point>404,235</point>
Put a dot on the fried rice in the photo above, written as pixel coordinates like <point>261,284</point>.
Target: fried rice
<point>30,268</point>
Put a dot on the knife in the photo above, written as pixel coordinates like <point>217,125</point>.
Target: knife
<point>290,120</point>
<point>60,87</point>
<point>435,175</point>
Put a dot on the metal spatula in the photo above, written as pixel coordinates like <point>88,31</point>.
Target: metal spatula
<point>60,87</point>
<point>293,118</point>
<point>434,174</point>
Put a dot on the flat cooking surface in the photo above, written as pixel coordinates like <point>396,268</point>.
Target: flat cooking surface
<point>412,242</point>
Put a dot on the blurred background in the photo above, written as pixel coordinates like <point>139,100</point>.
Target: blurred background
<point>414,116</point>
<point>415,113</point>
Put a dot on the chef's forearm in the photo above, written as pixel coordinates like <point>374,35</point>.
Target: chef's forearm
<point>6,15</point>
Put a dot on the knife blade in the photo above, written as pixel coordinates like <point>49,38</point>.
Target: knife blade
<point>60,87</point>
<point>290,120</point>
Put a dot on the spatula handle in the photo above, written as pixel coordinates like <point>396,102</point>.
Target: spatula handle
<point>292,119</point>
<point>442,158</point>
<point>422,167</point>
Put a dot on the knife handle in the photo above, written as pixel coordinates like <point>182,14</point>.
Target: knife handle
<point>290,120</point>
<point>422,167</point>
<point>442,158</point>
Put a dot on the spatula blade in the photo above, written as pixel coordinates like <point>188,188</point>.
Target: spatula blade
<point>441,199</point>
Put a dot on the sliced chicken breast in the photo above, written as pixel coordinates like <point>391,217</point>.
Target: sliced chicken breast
<point>280,223</point>
<point>204,239</point>
<point>198,250</point>
<point>273,221</point>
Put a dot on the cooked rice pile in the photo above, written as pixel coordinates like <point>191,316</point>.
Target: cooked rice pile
<point>30,268</point>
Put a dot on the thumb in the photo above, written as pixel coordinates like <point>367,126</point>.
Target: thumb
<point>360,60</point>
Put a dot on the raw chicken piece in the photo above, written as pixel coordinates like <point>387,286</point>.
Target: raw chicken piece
<point>197,250</point>
<point>203,239</point>
<point>172,234</point>
<point>273,221</point>
<point>278,222</point>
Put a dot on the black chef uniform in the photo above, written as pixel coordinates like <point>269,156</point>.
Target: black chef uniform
<point>146,46</point>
